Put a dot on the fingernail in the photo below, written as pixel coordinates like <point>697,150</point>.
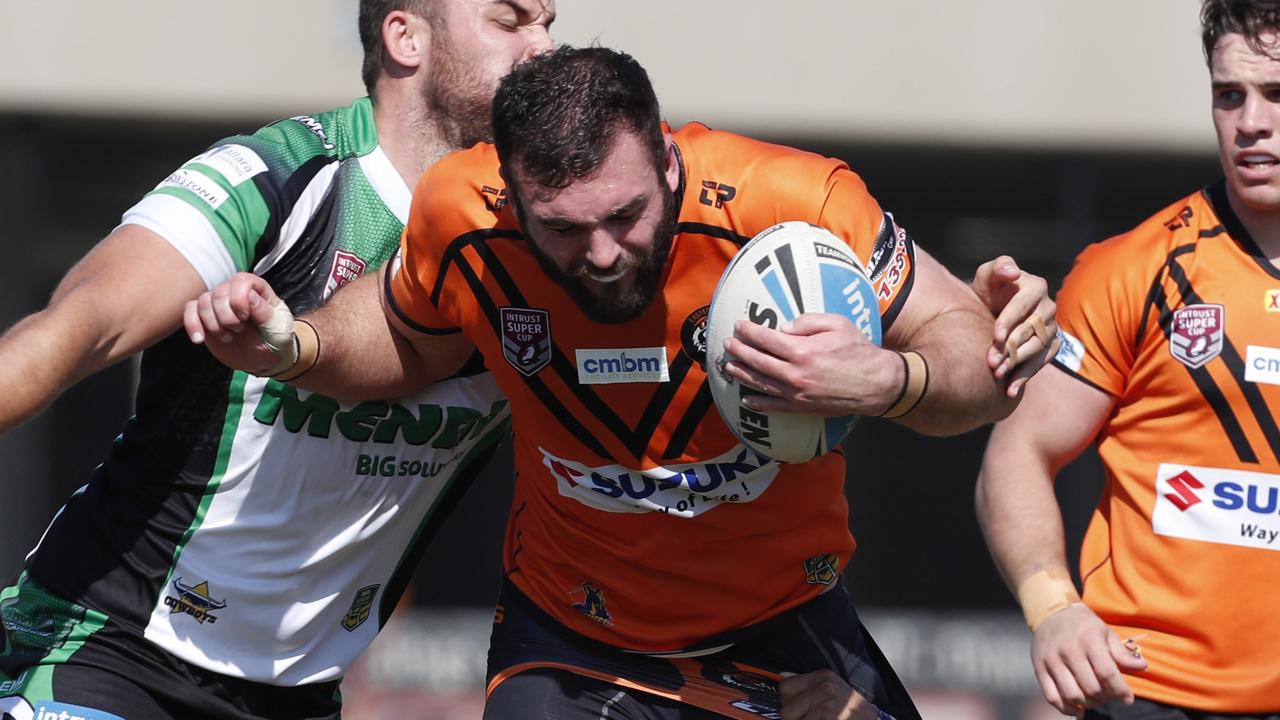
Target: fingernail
<point>254,300</point>
<point>225,337</point>
<point>197,338</point>
<point>785,326</point>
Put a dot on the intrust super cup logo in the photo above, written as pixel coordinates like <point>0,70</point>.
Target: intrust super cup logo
<point>1196,333</point>
<point>346,267</point>
<point>526,338</point>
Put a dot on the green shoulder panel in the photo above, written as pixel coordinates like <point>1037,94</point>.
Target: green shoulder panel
<point>241,182</point>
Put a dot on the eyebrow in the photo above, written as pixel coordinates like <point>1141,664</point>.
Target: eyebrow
<point>630,205</point>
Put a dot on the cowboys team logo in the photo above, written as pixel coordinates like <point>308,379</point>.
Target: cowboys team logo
<point>359,611</point>
<point>693,335</point>
<point>346,267</point>
<point>822,569</point>
<point>592,605</point>
<point>195,601</point>
<point>1196,333</point>
<point>526,338</point>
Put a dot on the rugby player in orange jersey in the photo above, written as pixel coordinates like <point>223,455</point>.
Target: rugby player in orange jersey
<point>654,570</point>
<point>1171,364</point>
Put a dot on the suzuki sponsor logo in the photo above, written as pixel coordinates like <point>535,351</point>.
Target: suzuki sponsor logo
<point>1184,485</point>
<point>1230,507</point>
<point>687,490</point>
<point>1196,333</point>
<point>1262,365</point>
<point>236,163</point>
<point>622,365</point>
<point>198,184</point>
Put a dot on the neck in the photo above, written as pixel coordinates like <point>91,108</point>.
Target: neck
<point>1263,227</point>
<point>412,140</point>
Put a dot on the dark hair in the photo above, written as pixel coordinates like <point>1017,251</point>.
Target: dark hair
<point>1250,18</point>
<point>372,13</point>
<point>557,114</point>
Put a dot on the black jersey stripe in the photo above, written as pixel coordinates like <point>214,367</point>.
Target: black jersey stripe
<point>693,417</point>
<point>280,199</point>
<point>1235,365</point>
<point>636,439</point>
<point>539,388</point>
<point>1156,291</point>
<point>1216,194</point>
<point>715,231</point>
<point>1208,388</point>
<point>404,316</point>
<point>453,253</point>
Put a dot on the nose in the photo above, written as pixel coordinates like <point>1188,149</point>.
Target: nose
<point>539,41</point>
<point>1255,119</point>
<point>602,250</point>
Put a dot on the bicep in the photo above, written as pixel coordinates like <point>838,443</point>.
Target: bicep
<point>126,294</point>
<point>439,354</point>
<point>1058,417</point>
<point>934,292</point>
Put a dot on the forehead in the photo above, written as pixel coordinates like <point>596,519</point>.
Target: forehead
<point>1233,60</point>
<point>625,173</point>
<point>543,10</point>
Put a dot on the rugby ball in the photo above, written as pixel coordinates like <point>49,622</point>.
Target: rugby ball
<point>788,269</point>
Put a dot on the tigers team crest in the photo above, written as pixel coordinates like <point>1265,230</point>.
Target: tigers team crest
<point>526,338</point>
<point>822,569</point>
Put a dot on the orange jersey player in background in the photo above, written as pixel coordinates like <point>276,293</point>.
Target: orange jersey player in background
<point>640,528</point>
<point>1171,363</point>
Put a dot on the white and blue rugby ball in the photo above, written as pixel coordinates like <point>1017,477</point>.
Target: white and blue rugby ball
<point>788,269</point>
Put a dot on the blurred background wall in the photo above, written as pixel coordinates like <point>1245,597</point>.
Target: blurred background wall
<point>987,126</point>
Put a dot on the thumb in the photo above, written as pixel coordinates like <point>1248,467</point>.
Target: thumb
<point>274,321</point>
<point>1126,653</point>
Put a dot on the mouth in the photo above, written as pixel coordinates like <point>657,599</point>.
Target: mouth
<point>1257,161</point>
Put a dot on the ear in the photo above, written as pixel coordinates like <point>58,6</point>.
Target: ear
<point>671,169</point>
<point>406,39</point>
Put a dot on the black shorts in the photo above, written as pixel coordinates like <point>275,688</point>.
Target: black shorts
<point>61,657</point>
<point>1150,710</point>
<point>539,668</point>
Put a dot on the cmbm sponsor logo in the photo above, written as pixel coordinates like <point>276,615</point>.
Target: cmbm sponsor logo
<point>1231,507</point>
<point>1262,365</point>
<point>687,490</point>
<point>622,365</point>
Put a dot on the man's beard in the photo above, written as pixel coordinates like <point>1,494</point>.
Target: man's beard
<point>632,302</point>
<point>458,98</point>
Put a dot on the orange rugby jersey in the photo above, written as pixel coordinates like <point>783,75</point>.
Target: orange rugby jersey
<point>638,519</point>
<point>1179,321</point>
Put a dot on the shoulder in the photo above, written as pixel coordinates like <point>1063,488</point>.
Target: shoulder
<point>1146,248</point>
<point>773,181</point>
<point>461,193</point>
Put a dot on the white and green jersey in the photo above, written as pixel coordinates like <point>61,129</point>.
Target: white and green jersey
<point>244,525</point>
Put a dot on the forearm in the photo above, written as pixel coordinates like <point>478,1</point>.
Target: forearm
<point>360,356</point>
<point>40,357</point>
<point>961,393</point>
<point>1018,512</point>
